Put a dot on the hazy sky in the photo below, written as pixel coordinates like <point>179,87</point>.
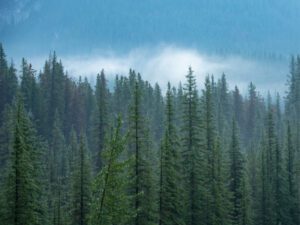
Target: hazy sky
<point>248,40</point>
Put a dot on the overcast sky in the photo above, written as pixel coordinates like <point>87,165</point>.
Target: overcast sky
<point>159,39</point>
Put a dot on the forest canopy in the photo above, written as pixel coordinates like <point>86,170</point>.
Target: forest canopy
<point>72,153</point>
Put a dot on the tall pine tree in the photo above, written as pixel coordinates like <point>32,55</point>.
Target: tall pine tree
<point>170,193</point>
<point>102,95</point>
<point>240,214</point>
<point>191,151</point>
<point>111,203</point>
<point>81,185</point>
<point>142,170</point>
<point>21,203</point>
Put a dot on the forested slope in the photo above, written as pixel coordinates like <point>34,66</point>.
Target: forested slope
<point>73,153</point>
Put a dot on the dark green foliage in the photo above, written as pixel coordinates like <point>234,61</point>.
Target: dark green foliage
<point>238,108</point>
<point>8,82</point>
<point>22,191</point>
<point>6,137</point>
<point>216,196</point>
<point>223,108</point>
<point>170,193</point>
<point>52,83</point>
<point>158,112</point>
<point>194,169</point>
<point>293,204</point>
<point>28,86</point>
<point>102,97</point>
<point>139,148</point>
<point>81,185</point>
<point>266,210</point>
<point>191,151</point>
<point>240,214</point>
<point>251,113</point>
<point>58,177</point>
<point>82,106</point>
<point>111,204</point>
<point>274,186</point>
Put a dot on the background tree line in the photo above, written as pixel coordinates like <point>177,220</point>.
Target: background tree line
<point>72,153</point>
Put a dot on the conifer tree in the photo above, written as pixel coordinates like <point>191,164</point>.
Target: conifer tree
<point>158,107</point>
<point>82,106</point>
<point>238,187</point>
<point>170,206</point>
<point>29,87</point>
<point>111,204</point>
<point>21,203</point>
<point>102,95</point>
<point>178,94</point>
<point>275,171</point>
<point>6,136</point>
<point>223,107</point>
<point>293,99</point>
<point>142,170</point>
<point>216,213</point>
<point>70,87</point>
<point>265,212</point>
<point>59,177</point>
<point>280,182</point>
<point>191,151</point>
<point>52,86</point>
<point>3,73</point>
<point>238,108</point>
<point>81,185</point>
<point>268,212</point>
<point>251,112</point>
<point>8,82</point>
<point>291,178</point>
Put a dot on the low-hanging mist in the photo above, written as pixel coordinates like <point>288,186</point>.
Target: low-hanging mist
<point>170,63</point>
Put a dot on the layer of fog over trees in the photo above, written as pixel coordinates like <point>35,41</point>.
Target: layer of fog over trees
<point>74,153</point>
<point>256,37</point>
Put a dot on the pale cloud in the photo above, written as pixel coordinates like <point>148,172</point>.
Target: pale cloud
<point>169,63</point>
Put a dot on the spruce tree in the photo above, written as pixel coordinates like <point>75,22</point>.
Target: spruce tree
<point>238,108</point>
<point>142,170</point>
<point>214,180</point>
<point>81,185</point>
<point>223,108</point>
<point>52,86</point>
<point>58,176</point>
<point>102,95</point>
<point>6,136</point>
<point>238,187</point>
<point>29,88</point>
<point>191,151</point>
<point>268,214</point>
<point>293,204</point>
<point>158,112</point>
<point>82,106</point>
<point>280,185</point>
<point>21,203</point>
<point>3,74</point>
<point>111,203</point>
<point>275,170</point>
<point>8,82</point>
<point>265,212</point>
<point>170,193</point>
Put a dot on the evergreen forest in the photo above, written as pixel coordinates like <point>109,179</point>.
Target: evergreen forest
<point>121,151</point>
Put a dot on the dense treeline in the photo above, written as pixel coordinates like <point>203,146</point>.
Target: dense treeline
<point>75,154</point>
